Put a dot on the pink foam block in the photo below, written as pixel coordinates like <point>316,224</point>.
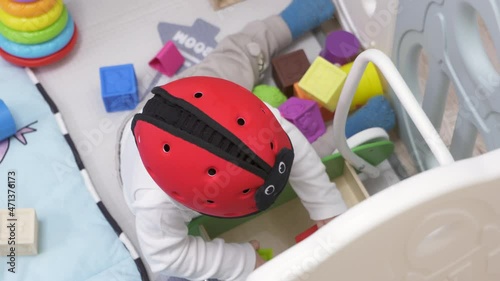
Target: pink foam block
<point>168,60</point>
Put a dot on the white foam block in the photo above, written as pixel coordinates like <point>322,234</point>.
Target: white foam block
<point>18,233</point>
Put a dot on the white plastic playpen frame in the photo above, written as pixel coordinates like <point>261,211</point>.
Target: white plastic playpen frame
<point>442,224</point>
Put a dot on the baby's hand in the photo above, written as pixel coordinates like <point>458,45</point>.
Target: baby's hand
<point>258,259</point>
<point>321,223</point>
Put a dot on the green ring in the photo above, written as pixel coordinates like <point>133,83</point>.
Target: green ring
<point>36,37</point>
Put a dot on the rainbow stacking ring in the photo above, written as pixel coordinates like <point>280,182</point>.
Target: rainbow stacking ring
<point>39,50</point>
<point>27,9</point>
<point>45,60</point>
<point>33,23</point>
<point>36,37</point>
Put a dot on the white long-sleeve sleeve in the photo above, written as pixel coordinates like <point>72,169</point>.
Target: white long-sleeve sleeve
<point>161,226</point>
<point>308,176</point>
<point>163,237</point>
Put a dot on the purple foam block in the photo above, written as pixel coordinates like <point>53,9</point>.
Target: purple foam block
<point>341,47</point>
<point>168,60</point>
<point>305,115</point>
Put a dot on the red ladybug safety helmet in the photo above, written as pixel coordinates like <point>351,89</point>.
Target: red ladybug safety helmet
<point>213,146</point>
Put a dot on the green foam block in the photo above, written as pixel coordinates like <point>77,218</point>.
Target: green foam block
<point>265,254</point>
<point>269,94</point>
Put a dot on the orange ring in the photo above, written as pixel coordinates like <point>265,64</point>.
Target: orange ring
<point>41,61</point>
<point>27,10</point>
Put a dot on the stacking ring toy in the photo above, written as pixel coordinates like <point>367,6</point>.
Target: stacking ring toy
<point>33,9</point>
<point>36,37</point>
<point>42,49</point>
<point>33,23</point>
<point>27,8</point>
<point>42,61</point>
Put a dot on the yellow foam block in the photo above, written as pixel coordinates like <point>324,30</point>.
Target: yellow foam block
<point>300,93</point>
<point>369,86</point>
<point>323,81</point>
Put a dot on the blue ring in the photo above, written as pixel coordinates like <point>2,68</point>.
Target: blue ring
<point>40,50</point>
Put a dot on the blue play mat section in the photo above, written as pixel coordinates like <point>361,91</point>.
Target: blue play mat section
<point>75,241</point>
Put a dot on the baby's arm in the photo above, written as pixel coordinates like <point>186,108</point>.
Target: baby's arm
<point>167,247</point>
<point>308,177</point>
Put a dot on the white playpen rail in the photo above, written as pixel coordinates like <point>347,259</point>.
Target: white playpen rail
<point>406,98</point>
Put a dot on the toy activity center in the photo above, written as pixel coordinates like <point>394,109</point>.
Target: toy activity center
<point>399,99</point>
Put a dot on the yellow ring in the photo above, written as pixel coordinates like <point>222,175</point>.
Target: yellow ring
<point>27,10</point>
<point>34,23</point>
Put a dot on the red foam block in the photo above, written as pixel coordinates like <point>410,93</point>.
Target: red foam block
<point>306,233</point>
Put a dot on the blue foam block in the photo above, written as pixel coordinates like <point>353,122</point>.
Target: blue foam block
<point>119,87</point>
<point>303,15</point>
<point>7,125</point>
<point>377,112</point>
